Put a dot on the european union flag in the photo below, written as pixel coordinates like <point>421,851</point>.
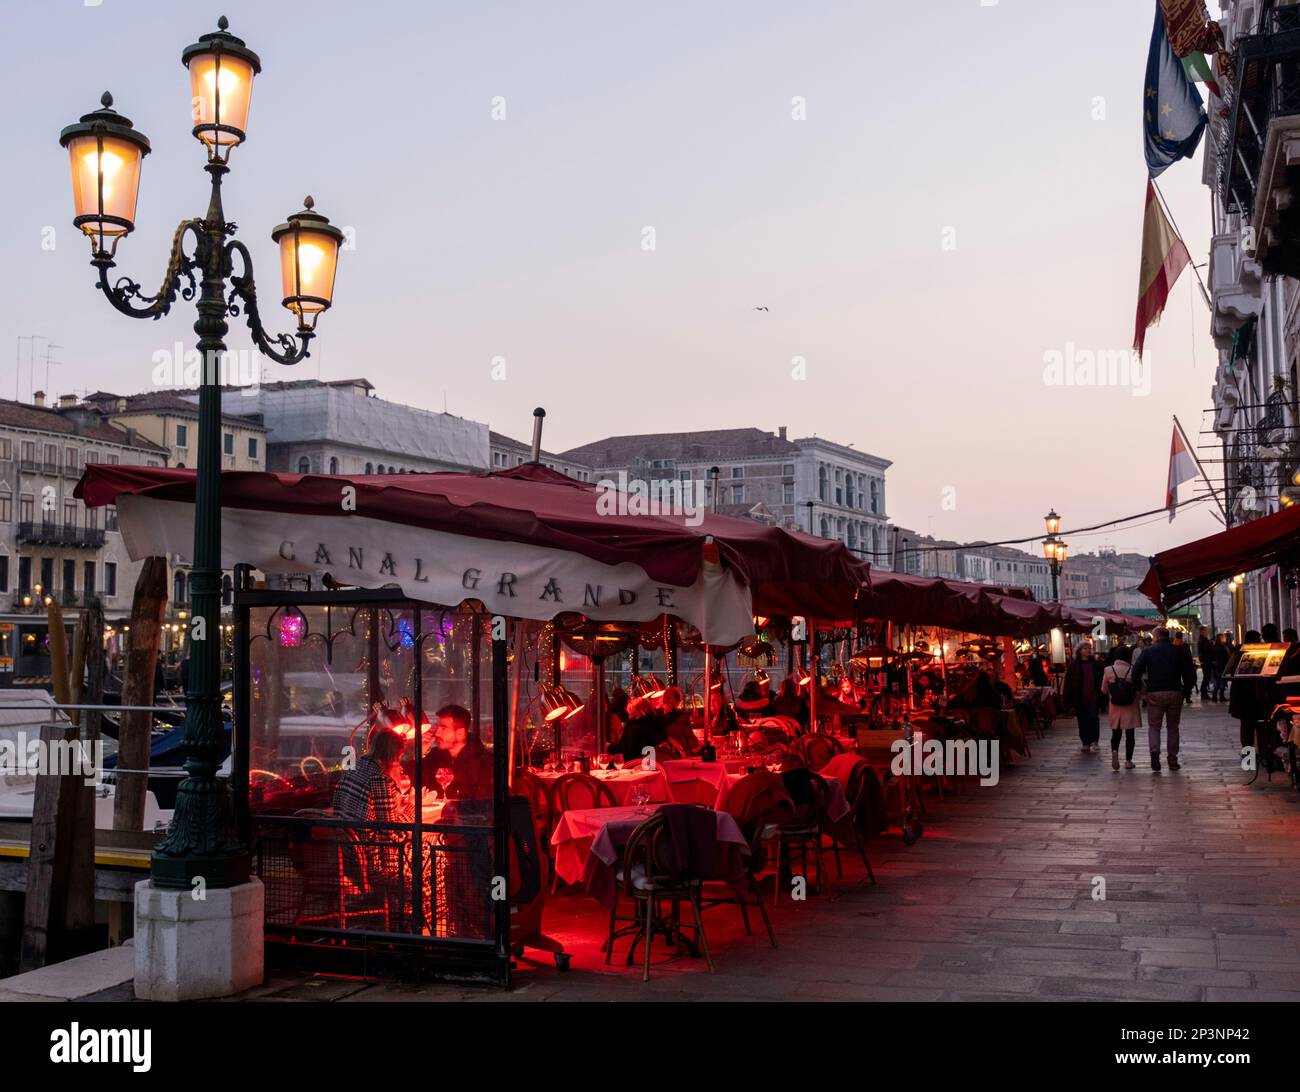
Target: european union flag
<point>1172,112</point>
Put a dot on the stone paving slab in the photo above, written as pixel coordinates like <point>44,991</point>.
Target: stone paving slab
<point>995,902</point>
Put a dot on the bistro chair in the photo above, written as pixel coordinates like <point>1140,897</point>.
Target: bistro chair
<point>754,828</point>
<point>802,833</point>
<point>340,884</point>
<point>533,789</point>
<point>577,792</point>
<point>649,876</point>
<point>816,750</point>
<point>856,827</point>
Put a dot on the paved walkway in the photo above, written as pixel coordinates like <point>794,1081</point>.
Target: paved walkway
<point>1202,900</point>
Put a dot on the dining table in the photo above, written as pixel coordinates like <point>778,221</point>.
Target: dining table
<point>623,781</point>
<point>587,842</point>
<point>694,781</point>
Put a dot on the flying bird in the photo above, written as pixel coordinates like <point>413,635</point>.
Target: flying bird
<point>760,308</point>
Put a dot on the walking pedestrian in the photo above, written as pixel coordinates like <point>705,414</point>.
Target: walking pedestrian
<point>1205,654</point>
<point>1168,675</point>
<point>1083,691</point>
<point>1125,713</point>
<point>1222,654</point>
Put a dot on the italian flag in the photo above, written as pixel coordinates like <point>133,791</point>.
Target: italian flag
<point>1197,67</point>
<point>1182,468</point>
<point>1163,258</point>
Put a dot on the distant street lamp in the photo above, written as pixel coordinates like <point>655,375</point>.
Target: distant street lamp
<point>106,153</point>
<point>1054,550</point>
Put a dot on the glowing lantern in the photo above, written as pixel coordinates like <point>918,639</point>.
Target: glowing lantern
<point>221,71</point>
<point>105,153</point>
<point>309,251</point>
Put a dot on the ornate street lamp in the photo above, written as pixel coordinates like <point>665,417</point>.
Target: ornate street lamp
<point>106,153</point>
<point>1054,550</point>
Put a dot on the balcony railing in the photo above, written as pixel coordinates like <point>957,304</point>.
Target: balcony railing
<point>1259,145</point>
<point>49,533</point>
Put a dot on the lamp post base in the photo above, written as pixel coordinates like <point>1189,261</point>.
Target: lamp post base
<point>189,948</point>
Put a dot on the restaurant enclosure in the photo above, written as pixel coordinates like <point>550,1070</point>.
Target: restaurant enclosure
<point>425,593</point>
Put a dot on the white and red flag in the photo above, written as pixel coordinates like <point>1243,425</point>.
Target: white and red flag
<point>1182,468</point>
<point>1163,258</point>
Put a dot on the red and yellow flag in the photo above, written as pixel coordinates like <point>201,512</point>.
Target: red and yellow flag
<point>1163,258</point>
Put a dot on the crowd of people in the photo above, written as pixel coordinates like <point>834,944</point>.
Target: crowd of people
<point>1159,674</point>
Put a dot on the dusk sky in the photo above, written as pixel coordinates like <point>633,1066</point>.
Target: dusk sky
<point>963,197</point>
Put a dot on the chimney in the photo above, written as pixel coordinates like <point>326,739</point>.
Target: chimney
<point>130,437</point>
<point>67,401</point>
<point>121,405</point>
<point>38,399</point>
<point>781,432</point>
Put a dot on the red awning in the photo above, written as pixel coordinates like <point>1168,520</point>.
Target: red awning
<point>1187,571</point>
<point>957,604</point>
<point>786,572</point>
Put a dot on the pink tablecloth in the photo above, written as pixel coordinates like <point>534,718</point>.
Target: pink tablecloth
<point>587,842</point>
<point>622,782</point>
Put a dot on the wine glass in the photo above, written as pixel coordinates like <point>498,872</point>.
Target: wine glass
<point>444,776</point>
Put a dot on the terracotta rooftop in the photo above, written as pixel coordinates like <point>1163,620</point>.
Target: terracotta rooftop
<point>44,419</point>
<point>162,402</point>
<point>727,443</point>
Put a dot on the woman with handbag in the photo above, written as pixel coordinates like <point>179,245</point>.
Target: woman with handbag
<point>1125,712</point>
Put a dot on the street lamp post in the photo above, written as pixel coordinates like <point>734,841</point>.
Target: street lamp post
<point>1054,550</point>
<point>106,153</point>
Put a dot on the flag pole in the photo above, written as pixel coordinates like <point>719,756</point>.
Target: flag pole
<point>1195,272</point>
<point>1192,452</point>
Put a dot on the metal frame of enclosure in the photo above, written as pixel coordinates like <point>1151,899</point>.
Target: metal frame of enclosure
<point>368,897</point>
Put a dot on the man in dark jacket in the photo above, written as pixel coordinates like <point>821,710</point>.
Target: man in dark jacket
<point>1168,675</point>
<point>1205,654</point>
<point>1082,689</point>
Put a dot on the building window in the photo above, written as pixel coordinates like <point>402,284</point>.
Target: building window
<point>737,494</point>
<point>6,507</point>
<point>51,454</point>
<point>47,574</point>
<point>252,447</point>
<point>88,578</point>
<point>110,517</point>
<point>6,450</point>
<point>182,436</point>
<point>29,452</point>
<point>334,465</point>
<point>178,587</point>
<point>4,572</point>
<point>112,458</point>
<point>304,465</point>
<point>110,578</point>
<point>875,497</point>
<point>71,458</point>
<point>826,530</point>
<point>787,493</point>
<point>26,507</point>
<point>24,574</point>
<point>69,514</point>
<point>737,471</point>
<point>848,491</point>
<point>370,468</point>
<point>823,484</point>
<point>228,443</point>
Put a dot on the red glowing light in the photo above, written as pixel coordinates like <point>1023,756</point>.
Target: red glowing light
<point>292,628</point>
